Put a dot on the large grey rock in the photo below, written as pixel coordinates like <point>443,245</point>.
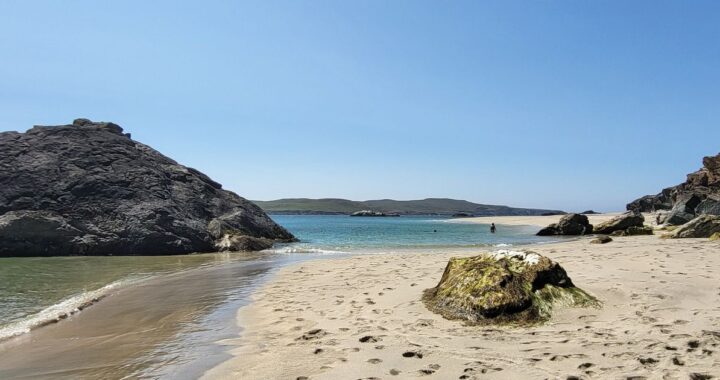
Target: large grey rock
<point>703,226</point>
<point>570,224</point>
<point>89,189</point>
<point>709,206</point>
<point>620,222</point>
<point>680,214</point>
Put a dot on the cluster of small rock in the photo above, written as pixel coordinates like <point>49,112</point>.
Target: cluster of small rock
<point>630,223</point>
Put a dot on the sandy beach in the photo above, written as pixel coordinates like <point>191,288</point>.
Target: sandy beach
<point>362,317</point>
<point>542,221</point>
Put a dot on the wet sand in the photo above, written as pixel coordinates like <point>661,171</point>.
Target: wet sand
<point>165,327</point>
<point>361,317</point>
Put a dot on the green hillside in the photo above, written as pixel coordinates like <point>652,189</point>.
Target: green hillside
<point>430,206</point>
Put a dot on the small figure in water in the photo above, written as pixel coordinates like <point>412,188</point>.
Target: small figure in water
<point>434,230</point>
<point>492,228</point>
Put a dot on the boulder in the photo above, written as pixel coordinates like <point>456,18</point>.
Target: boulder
<point>680,214</point>
<point>550,230</point>
<point>602,239</point>
<point>570,224</point>
<point>703,226</point>
<point>589,212</point>
<point>620,222</point>
<point>634,230</point>
<point>87,188</point>
<point>502,287</point>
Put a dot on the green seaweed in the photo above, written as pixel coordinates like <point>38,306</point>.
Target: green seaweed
<point>504,290</point>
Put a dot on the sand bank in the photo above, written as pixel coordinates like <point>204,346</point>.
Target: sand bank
<point>537,220</point>
<point>361,317</point>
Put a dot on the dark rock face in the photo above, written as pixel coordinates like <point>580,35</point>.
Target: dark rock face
<point>620,222</point>
<point>88,189</point>
<point>703,226</point>
<point>504,286</point>
<point>570,224</point>
<point>698,195</point>
<point>589,212</point>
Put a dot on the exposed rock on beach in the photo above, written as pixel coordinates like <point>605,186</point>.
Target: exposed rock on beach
<point>88,189</point>
<point>620,222</point>
<point>504,286</point>
<point>570,224</point>
<point>704,226</point>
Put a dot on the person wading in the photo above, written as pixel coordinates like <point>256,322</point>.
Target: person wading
<point>492,228</point>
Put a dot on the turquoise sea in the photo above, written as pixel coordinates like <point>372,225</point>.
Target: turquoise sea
<point>160,316</point>
<point>340,233</point>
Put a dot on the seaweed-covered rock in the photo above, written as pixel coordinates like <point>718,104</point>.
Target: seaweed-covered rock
<point>602,239</point>
<point>89,189</point>
<point>620,222</point>
<point>703,226</point>
<point>570,224</point>
<point>502,287</point>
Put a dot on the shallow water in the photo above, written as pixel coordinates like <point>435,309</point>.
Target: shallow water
<point>333,233</point>
<point>162,315</point>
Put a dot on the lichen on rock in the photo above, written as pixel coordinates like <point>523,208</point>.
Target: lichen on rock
<point>504,287</point>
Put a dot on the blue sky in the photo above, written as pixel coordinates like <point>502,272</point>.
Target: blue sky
<point>555,104</point>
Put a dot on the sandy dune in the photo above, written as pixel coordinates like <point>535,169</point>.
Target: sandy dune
<point>362,318</point>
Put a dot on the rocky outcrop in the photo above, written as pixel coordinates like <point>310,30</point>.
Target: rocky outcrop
<point>89,189</point>
<point>620,222</point>
<point>698,195</point>
<point>502,287</point>
<point>570,224</point>
<point>589,212</point>
<point>703,226</point>
<point>372,213</point>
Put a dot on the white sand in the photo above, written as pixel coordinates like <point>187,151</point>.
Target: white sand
<point>536,220</point>
<point>660,319</point>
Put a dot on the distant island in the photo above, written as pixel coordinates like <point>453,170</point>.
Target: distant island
<point>429,206</point>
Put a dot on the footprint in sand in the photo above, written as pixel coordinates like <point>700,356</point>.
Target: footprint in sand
<point>374,361</point>
<point>412,354</point>
<point>369,339</point>
<point>313,334</point>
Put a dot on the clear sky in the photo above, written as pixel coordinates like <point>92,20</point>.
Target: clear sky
<point>553,104</point>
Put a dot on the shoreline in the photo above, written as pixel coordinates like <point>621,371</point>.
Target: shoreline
<point>165,325</point>
<point>310,319</point>
<point>538,220</point>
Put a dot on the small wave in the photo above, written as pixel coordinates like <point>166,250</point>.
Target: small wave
<point>503,245</point>
<point>59,311</point>
<point>292,249</point>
